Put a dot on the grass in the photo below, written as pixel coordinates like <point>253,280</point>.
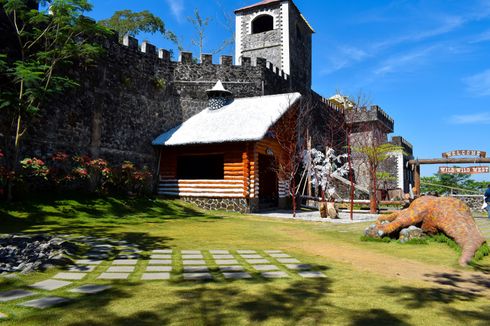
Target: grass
<point>353,293</point>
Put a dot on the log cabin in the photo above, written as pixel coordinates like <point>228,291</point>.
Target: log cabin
<point>225,156</point>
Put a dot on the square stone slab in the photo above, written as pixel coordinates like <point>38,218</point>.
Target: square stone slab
<point>88,262</point>
<point>197,276</point>
<point>273,251</point>
<point>120,269</point>
<point>237,276</point>
<point>231,268</point>
<point>195,269</point>
<point>90,289</point>
<point>50,285</point>
<point>97,256</point>
<point>266,267</point>
<point>246,251</point>
<point>258,261</point>
<point>161,256</point>
<point>227,262</point>
<point>249,256</point>
<point>113,276</point>
<point>130,250</point>
<point>280,255</point>
<point>311,274</point>
<point>159,262</point>
<point>223,257</point>
<point>70,276</point>
<point>298,266</point>
<point>275,274</point>
<point>159,268</point>
<point>46,302</point>
<point>288,260</point>
<point>191,252</point>
<point>130,256</point>
<point>14,295</point>
<point>155,276</point>
<point>162,251</point>
<point>81,269</point>
<point>192,257</point>
<point>125,262</point>
<point>193,262</point>
<point>219,252</point>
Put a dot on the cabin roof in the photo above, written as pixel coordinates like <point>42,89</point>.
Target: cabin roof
<point>245,119</point>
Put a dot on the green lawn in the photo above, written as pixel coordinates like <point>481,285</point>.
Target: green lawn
<point>367,283</point>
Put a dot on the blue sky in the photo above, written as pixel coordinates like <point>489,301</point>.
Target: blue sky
<point>426,63</point>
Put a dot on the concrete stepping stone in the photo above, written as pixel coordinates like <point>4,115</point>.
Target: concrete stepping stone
<point>88,262</point>
<point>191,252</point>
<point>220,252</point>
<point>120,269</point>
<point>81,269</point>
<point>237,276</point>
<point>155,276</point>
<point>311,274</point>
<point>159,262</point>
<point>130,250</point>
<point>298,266</point>
<point>14,295</point>
<point>266,267</point>
<point>280,255</point>
<point>257,261</point>
<point>223,257</point>
<point>274,274</point>
<point>162,256</point>
<point>125,262</point>
<point>90,289</point>
<point>97,256</point>
<point>46,302</point>
<point>103,246</point>
<point>193,262</point>
<point>159,268</point>
<point>50,285</point>
<point>248,256</point>
<point>231,268</point>
<point>113,276</point>
<point>226,262</point>
<point>246,251</point>
<point>70,276</point>
<point>162,251</point>
<point>273,251</point>
<point>130,256</point>
<point>195,269</point>
<point>192,257</point>
<point>197,276</point>
<point>288,260</point>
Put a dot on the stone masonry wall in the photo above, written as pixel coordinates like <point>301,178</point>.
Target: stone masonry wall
<point>226,204</point>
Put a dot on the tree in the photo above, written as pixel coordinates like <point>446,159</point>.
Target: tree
<point>451,183</point>
<point>132,23</point>
<point>47,42</point>
<point>375,153</point>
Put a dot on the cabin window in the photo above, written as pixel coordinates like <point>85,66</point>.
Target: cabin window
<point>208,167</point>
<point>262,24</point>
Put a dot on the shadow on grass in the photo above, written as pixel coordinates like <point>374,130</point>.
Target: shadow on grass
<point>376,317</point>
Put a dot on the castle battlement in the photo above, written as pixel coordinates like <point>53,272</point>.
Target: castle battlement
<point>186,58</point>
<point>372,114</point>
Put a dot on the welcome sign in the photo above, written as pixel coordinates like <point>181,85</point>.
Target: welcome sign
<point>464,170</point>
<point>464,152</point>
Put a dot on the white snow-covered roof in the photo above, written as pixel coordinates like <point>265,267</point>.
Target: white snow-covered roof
<point>245,119</point>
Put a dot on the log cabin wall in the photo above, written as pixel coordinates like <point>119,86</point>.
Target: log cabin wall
<point>264,147</point>
<point>236,181</point>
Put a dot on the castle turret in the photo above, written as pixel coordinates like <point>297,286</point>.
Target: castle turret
<point>218,96</point>
<point>276,31</point>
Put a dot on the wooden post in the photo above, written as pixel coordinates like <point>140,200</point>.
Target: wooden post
<point>416,177</point>
<point>246,171</point>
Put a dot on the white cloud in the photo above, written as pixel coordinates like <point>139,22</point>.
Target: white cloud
<point>396,63</point>
<point>479,84</point>
<point>343,57</point>
<point>477,118</point>
<point>177,8</point>
<point>483,37</point>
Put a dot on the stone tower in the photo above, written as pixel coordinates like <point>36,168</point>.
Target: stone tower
<point>277,31</point>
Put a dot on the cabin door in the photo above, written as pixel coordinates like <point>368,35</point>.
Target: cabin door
<point>268,185</point>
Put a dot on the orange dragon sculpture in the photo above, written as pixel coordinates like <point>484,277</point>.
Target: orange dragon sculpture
<point>436,214</point>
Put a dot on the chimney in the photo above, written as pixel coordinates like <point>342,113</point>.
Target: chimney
<point>218,96</point>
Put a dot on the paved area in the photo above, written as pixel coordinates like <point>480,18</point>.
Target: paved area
<point>484,225</point>
<point>159,265</point>
<point>314,216</point>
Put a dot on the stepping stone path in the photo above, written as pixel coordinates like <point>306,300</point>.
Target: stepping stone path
<point>14,295</point>
<point>46,302</point>
<point>240,264</point>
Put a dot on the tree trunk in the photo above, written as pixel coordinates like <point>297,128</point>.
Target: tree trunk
<point>293,191</point>
<point>373,200</point>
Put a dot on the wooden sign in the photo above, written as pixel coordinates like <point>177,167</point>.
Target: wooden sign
<point>464,170</point>
<point>465,152</point>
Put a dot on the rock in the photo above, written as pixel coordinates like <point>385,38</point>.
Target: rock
<point>412,232</point>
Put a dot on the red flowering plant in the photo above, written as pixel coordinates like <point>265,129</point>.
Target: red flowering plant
<point>34,167</point>
<point>61,168</point>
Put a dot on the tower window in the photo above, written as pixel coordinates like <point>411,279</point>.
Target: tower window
<point>262,24</point>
